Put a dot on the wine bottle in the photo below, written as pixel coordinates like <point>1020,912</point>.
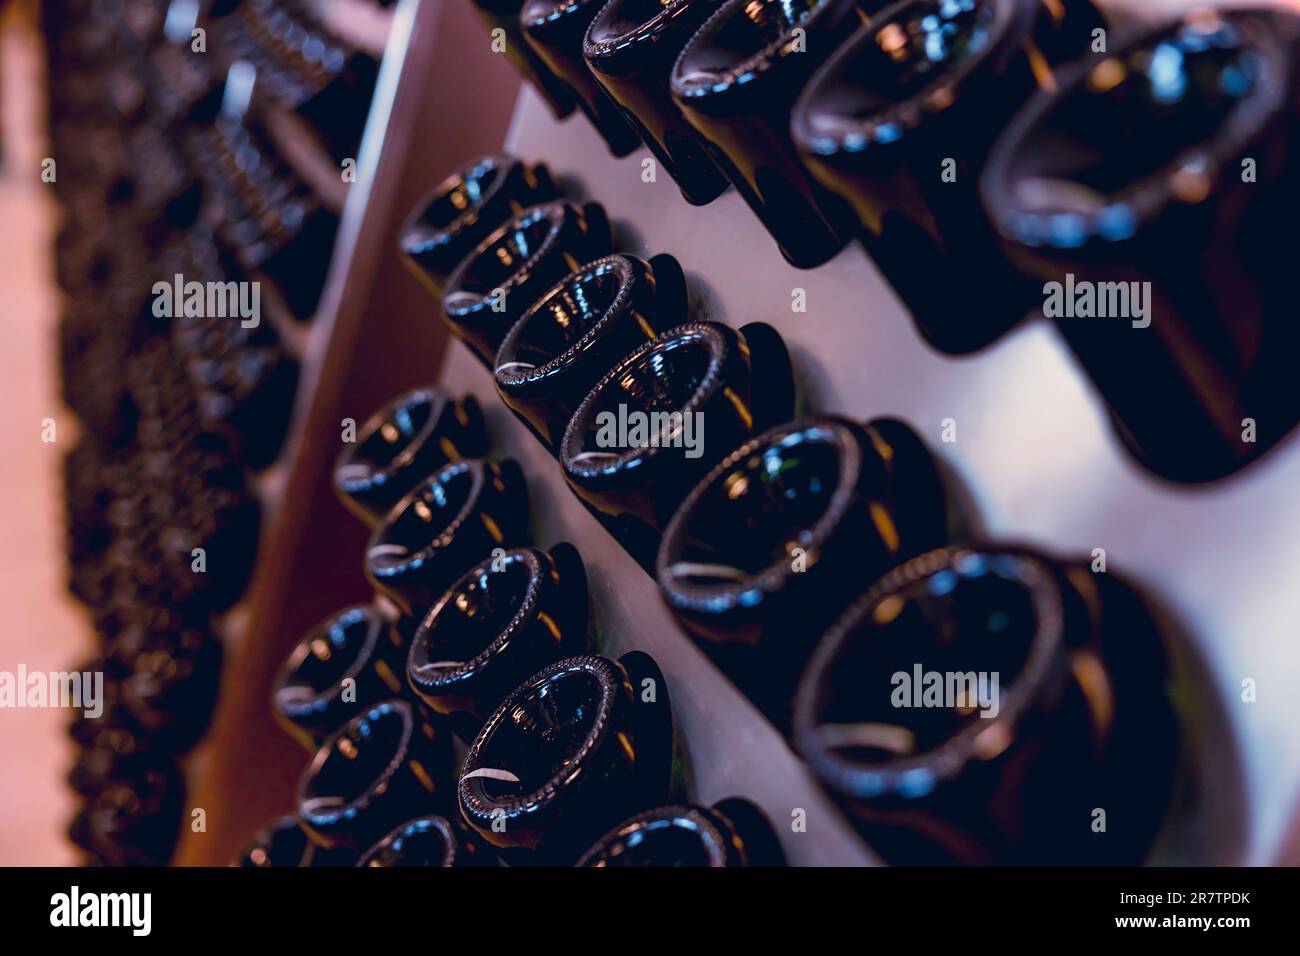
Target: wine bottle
<point>262,208</point>
<point>990,705</point>
<point>503,15</point>
<point>346,663</point>
<point>661,417</point>
<point>113,746</point>
<point>734,833</point>
<point>631,48</point>
<point>559,349</point>
<point>382,767</point>
<point>442,527</point>
<point>283,843</point>
<point>168,671</point>
<point>555,30</point>
<point>1154,248</point>
<point>243,377</point>
<point>505,619</point>
<point>134,822</point>
<point>406,440</point>
<point>575,748</point>
<point>785,532</point>
<point>516,265</point>
<point>464,209</point>
<point>899,122</point>
<point>736,82</point>
<point>430,841</point>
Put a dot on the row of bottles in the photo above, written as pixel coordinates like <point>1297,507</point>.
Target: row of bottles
<point>574,330</point>
<point>811,566</point>
<point>816,567</point>
<point>814,559</point>
<point>1003,152</point>
<point>475,635</point>
<point>165,177</point>
<point>763,541</point>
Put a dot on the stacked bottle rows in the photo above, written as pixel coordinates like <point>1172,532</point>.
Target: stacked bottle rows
<point>812,559</point>
<point>181,231</point>
<point>477,636</point>
<point>815,559</point>
<point>997,159</point>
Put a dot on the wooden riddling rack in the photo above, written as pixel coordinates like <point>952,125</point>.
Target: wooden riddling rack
<point>1034,452</point>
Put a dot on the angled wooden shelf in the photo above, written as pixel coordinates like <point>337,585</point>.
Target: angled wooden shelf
<point>375,333</point>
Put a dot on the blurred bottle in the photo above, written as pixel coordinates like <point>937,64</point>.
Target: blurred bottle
<point>992,706</point>
<point>899,123</point>
<point>737,80</point>
<point>631,48</point>
<point>464,209</point>
<point>503,16</point>
<point>408,439</point>
<point>555,30</point>
<point>1157,250</point>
